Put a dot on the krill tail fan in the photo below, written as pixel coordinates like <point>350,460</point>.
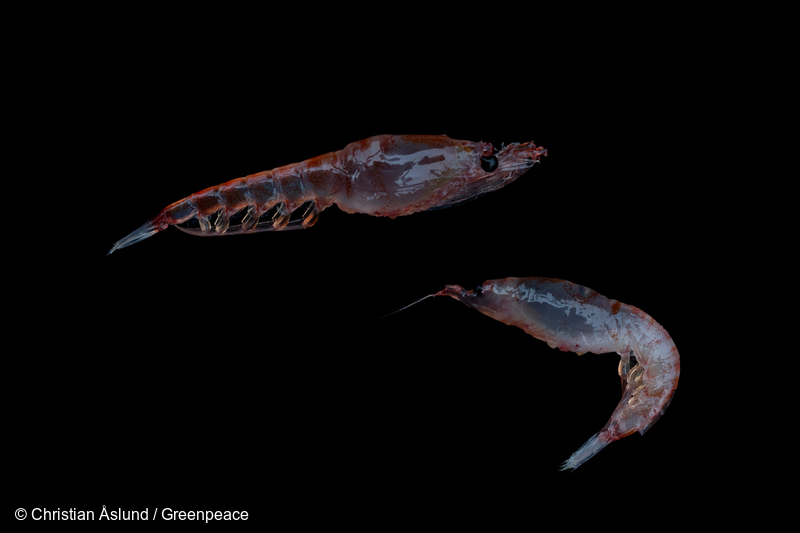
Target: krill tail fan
<point>584,453</point>
<point>150,228</point>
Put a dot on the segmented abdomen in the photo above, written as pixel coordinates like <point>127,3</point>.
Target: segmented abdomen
<point>277,192</point>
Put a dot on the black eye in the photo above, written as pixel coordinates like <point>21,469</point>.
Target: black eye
<point>479,290</point>
<point>489,164</point>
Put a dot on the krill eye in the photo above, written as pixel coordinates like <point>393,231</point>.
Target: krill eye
<point>489,164</point>
<point>479,290</point>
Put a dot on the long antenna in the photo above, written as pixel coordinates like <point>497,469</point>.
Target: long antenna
<point>409,305</point>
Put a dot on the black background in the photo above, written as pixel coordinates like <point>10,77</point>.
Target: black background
<point>254,371</point>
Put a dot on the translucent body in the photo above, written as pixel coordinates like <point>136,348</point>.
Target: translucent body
<point>386,175</point>
<point>574,318</point>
